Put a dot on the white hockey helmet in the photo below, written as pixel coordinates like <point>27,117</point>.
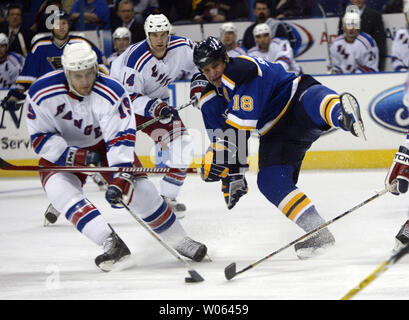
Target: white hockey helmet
<point>261,28</point>
<point>227,27</point>
<point>121,32</point>
<point>4,39</point>
<point>352,18</point>
<point>156,23</point>
<point>76,57</point>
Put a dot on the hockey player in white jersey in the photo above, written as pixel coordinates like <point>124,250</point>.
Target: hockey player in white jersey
<point>273,49</point>
<point>228,35</point>
<point>353,51</point>
<point>11,63</point>
<point>400,45</point>
<point>146,69</point>
<point>122,39</point>
<point>78,116</point>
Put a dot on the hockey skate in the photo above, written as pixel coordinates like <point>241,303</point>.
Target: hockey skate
<point>314,245</point>
<point>177,207</point>
<point>350,118</point>
<point>51,215</point>
<point>115,251</point>
<point>402,238</point>
<point>191,249</point>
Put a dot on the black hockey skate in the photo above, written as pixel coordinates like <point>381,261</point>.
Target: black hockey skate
<point>115,250</point>
<point>402,238</point>
<point>350,118</point>
<point>315,244</point>
<point>51,215</point>
<point>191,249</point>
<point>177,207</point>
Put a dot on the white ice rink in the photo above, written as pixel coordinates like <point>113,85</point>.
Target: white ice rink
<point>57,262</point>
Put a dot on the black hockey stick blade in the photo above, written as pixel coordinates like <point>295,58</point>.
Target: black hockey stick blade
<point>230,271</point>
<point>194,277</point>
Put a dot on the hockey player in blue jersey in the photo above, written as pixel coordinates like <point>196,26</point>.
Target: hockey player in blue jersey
<point>289,112</point>
<point>45,56</point>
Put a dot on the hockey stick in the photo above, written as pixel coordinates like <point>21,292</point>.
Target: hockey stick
<point>326,32</point>
<point>156,119</point>
<point>4,165</point>
<point>194,275</point>
<point>230,271</point>
<point>377,272</point>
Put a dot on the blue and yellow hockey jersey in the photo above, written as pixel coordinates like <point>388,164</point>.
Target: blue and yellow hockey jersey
<point>255,94</point>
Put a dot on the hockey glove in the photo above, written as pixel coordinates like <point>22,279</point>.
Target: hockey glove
<point>10,102</point>
<point>234,186</point>
<point>399,171</point>
<point>197,85</point>
<point>74,156</point>
<point>217,159</point>
<point>120,189</point>
<point>161,109</point>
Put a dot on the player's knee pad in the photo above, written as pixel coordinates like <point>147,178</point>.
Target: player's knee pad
<point>275,182</point>
<point>146,198</point>
<point>181,151</point>
<point>63,190</point>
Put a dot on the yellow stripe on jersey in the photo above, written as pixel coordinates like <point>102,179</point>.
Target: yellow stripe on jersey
<point>327,105</point>
<point>238,126</point>
<point>294,204</point>
<point>260,73</point>
<point>39,43</point>
<point>228,82</point>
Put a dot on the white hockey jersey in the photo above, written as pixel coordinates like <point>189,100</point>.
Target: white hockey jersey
<point>400,50</point>
<point>111,58</point>
<point>361,56</point>
<point>146,78</point>
<point>279,51</point>
<point>10,68</point>
<point>235,52</point>
<point>57,119</point>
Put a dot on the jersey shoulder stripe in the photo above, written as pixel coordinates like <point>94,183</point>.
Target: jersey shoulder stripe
<point>50,84</point>
<point>367,40</point>
<point>15,58</point>
<point>115,89</point>
<point>176,42</point>
<point>41,43</point>
<point>138,55</point>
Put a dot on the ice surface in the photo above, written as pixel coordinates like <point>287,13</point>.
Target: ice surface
<point>57,262</point>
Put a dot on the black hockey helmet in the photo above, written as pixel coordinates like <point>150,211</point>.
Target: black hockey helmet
<point>207,51</point>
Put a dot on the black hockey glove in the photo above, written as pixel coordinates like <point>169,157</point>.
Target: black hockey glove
<point>234,186</point>
<point>220,156</point>
<point>197,85</point>
<point>120,188</point>
<point>161,109</point>
<point>10,102</point>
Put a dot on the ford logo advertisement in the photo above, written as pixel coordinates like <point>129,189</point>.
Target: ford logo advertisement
<point>388,110</point>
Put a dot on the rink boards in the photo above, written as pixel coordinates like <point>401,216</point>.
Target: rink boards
<point>380,95</point>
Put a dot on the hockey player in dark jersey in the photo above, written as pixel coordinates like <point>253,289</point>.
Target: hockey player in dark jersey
<point>289,112</point>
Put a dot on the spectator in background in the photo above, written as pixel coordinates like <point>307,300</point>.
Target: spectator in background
<point>146,7</point>
<point>393,6</point>
<point>284,9</point>
<point>46,10</point>
<point>353,51</point>
<point>11,63</point>
<point>400,48</point>
<point>125,17</point>
<point>262,14</point>
<point>96,15</point>
<point>19,37</point>
<point>210,11</point>
<point>372,24</point>
<point>273,49</point>
<point>228,36</point>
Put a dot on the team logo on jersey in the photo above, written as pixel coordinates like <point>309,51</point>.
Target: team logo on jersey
<point>300,38</point>
<point>387,110</point>
<point>55,62</point>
